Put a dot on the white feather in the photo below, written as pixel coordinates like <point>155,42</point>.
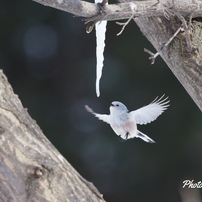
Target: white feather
<point>150,112</point>
<point>103,117</point>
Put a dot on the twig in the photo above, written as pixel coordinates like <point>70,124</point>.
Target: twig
<point>134,10</point>
<point>124,24</point>
<point>158,1</point>
<point>166,8</point>
<point>184,27</point>
<point>154,55</point>
<point>186,30</point>
<point>167,13</point>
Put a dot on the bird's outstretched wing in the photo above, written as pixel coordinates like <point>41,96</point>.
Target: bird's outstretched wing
<point>103,117</point>
<point>150,112</point>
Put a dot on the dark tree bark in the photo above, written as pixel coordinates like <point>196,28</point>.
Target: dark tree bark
<point>31,168</point>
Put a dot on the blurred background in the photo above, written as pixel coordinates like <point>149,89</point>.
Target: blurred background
<point>50,62</point>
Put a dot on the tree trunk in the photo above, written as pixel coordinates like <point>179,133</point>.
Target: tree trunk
<point>31,168</point>
<point>186,65</point>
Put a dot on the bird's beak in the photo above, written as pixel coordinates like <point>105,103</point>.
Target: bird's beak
<point>112,105</point>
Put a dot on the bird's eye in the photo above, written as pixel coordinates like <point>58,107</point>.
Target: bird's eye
<point>117,105</point>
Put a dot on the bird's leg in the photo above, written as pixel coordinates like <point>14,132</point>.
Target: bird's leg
<point>127,135</point>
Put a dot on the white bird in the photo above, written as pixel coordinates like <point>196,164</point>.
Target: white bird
<point>124,122</point>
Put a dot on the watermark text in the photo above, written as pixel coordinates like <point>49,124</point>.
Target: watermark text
<point>191,184</point>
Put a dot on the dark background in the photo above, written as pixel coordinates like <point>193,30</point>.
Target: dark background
<point>50,62</point>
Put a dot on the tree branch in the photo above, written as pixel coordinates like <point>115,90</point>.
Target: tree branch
<point>123,10</point>
<point>185,65</point>
<point>31,167</point>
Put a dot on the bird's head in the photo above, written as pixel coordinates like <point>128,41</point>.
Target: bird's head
<point>117,107</point>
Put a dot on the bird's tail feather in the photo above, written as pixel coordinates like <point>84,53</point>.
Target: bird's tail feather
<point>145,137</point>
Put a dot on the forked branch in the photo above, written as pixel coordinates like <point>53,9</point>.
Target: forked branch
<point>154,55</point>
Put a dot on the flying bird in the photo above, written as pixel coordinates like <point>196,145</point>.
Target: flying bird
<point>124,122</point>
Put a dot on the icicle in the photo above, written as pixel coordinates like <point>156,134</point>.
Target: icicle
<point>100,29</point>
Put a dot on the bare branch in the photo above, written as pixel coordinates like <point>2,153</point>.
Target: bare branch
<point>124,24</point>
<point>134,10</point>
<point>122,10</point>
<point>186,29</point>
<point>154,55</point>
